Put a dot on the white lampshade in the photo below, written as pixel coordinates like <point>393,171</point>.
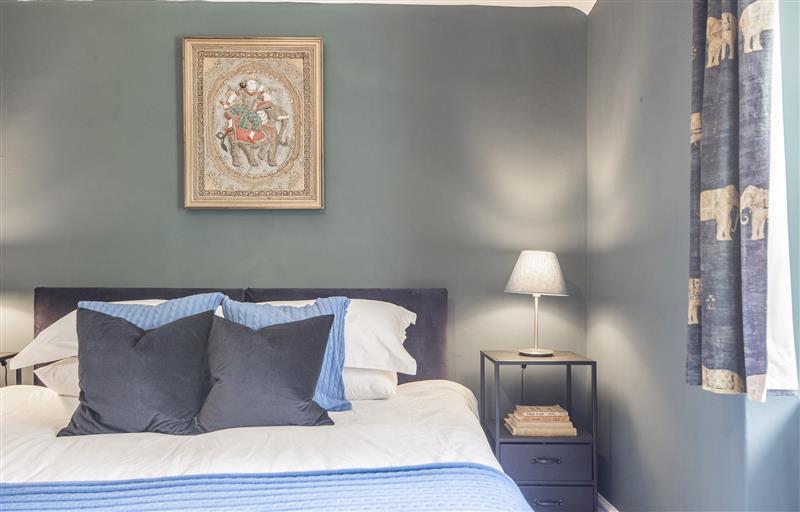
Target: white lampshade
<point>537,273</point>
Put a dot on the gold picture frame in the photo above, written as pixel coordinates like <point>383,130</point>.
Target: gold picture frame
<point>252,122</point>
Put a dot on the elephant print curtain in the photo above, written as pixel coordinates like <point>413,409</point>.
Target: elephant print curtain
<point>740,326</point>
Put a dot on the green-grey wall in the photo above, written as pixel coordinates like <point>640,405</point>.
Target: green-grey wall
<point>454,137</point>
<point>664,445</point>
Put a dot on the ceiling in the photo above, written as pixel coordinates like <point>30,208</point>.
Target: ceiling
<point>582,5</point>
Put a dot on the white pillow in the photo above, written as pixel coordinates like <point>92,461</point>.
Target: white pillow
<point>374,333</point>
<point>59,340</point>
<point>61,376</point>
<point>359,383</point>
<point>364,384</point>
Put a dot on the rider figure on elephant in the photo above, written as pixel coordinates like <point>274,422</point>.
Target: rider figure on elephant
<point>255,122</point>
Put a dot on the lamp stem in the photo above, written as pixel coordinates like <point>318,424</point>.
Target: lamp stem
<point>536,321</point>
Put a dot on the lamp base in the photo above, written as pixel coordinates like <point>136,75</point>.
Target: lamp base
<point>536,352</point>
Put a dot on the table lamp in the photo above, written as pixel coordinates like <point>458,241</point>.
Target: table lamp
<point>537,273</point>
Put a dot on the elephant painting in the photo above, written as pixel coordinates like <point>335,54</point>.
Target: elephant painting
<point>756,200</point>
<point>722,206</point>
<point>756,18</point>
<point>695,299</point>
<point>720,39</point>
<point>696,128</point>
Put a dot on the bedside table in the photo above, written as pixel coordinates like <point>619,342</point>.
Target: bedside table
<point>4,358</point>
<point>552,472</point>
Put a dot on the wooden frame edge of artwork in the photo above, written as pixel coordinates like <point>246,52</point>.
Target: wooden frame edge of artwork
<point>187,89</point>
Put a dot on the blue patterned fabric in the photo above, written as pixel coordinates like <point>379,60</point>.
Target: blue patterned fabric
<point>433,487</point>
<point>733,54</point>
<point>152,317</point>
<point>329,392</point>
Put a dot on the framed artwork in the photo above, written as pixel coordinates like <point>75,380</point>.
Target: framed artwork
<point>252,122</point>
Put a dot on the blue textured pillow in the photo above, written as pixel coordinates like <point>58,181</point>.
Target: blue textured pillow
<point>152,317</point>
<point>329,393</point>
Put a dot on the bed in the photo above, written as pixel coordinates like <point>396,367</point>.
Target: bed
<point>422,449</point>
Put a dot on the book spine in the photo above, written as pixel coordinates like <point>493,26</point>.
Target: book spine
<point>541,432</point>
<point>560,426</point>
<point>539,419</point>
<point>545,433</point>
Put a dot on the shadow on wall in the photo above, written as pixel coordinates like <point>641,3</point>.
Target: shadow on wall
<point>649,419</point>
<point>617,382</point>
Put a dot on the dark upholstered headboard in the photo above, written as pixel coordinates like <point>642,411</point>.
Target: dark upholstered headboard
<point>426,340</point>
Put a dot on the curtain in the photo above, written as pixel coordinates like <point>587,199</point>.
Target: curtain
<point>740,337</point>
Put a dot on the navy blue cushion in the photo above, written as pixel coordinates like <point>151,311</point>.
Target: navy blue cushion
<point>330,386</point>
<point>135,380</point>
<point>265,377</point>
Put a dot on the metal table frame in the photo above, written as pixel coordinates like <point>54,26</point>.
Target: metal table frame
<point>500,358</point>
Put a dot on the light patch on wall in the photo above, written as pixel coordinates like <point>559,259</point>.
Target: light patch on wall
<point>522,187</point>
<point>23,224</point>
<point>524,200</point>
<point>16,321</point>
<point>473,328</point>
<point>516,313</point>
<point>618,216</point>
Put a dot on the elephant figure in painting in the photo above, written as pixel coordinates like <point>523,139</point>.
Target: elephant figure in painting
<point>255,124</point>
<point>249,148</point>
<point>722,206</point>
<point>756,201</point>
<point>696,128</point>
<point>720,39</point>
<point>756,18</point>
<point>695,300</point>
<point>262,142</point>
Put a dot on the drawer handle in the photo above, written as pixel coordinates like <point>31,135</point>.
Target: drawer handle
<point>545,460</point>
<point>548,503</point>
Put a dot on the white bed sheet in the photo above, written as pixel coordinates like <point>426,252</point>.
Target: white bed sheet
<point>425,422</point>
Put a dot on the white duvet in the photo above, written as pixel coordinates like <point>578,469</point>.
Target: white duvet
<point>425,422</point>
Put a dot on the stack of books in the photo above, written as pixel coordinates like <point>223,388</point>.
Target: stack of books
<point>540,420</point>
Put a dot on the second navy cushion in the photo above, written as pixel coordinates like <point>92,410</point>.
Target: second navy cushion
<point>265,377</point>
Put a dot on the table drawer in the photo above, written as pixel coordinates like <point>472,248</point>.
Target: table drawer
<point>547,462</point>
<point>561,498</point>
